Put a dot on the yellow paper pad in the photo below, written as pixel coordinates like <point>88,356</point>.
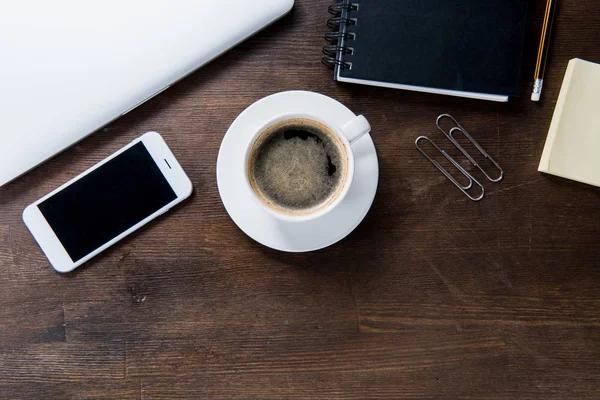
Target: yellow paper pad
<point>572,147</point>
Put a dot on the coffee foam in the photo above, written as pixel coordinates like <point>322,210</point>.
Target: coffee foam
<point>298,166</point>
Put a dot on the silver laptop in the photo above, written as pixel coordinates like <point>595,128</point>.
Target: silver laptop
<point>70,67</point>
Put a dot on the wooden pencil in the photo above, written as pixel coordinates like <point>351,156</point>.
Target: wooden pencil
<point>543,49</point>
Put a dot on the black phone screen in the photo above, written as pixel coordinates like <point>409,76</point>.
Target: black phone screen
<point>107,201</point>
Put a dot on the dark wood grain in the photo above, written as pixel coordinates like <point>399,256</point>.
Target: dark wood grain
<point>432,297</point>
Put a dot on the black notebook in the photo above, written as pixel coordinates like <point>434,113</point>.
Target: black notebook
<point>468,48</point>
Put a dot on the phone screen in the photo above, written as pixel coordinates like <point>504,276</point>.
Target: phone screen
<point>107,201</point>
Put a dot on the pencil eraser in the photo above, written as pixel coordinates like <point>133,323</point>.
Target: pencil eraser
<point>537,89</point>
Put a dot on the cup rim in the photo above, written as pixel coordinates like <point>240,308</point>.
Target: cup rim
<point>321,211</point>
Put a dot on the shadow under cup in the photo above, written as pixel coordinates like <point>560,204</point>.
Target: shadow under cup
<point>298,167</point>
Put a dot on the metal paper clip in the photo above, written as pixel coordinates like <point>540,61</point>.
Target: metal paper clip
<point>459,128</point>
<point>470,178</point>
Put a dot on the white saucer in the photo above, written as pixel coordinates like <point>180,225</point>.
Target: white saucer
<point>260,225</point>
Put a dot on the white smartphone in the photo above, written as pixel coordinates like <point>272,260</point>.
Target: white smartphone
<point>107,202</point>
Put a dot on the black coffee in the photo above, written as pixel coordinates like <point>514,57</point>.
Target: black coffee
<point>297,166</point>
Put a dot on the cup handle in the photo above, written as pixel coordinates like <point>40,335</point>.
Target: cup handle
<point>356,128</point>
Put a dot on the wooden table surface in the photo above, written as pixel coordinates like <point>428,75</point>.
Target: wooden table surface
<point>433,296</point>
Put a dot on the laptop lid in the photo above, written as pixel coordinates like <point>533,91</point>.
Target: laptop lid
<point>70,67</point>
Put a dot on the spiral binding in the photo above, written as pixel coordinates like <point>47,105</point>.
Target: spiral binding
<point>339,36</point>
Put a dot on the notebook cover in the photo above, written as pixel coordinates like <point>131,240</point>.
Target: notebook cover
<point>467,45</point>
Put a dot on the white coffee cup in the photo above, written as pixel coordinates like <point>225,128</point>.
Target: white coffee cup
<point>348,133</point>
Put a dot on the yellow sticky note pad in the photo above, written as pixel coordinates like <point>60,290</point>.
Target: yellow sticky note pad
<point>572,147</point>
